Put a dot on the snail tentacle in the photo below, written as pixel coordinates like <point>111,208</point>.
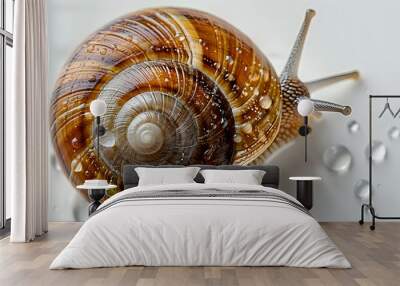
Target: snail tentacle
<point>292,65</point>
<point>326,106</point>
<point>318,84</point>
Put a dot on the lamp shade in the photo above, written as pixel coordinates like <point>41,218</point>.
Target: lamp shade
<point>98,107</point>
<point>305,107</point>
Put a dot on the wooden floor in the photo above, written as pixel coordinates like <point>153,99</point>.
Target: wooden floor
<point>375,257</point>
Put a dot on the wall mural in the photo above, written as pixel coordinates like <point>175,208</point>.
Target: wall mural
<point>181,87</point>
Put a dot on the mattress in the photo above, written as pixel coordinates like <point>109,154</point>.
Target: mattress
<point>201,225</point>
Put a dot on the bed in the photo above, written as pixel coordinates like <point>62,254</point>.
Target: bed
<point>201,224</point>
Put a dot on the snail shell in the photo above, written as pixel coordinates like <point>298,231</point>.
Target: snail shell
<point>181,87</point>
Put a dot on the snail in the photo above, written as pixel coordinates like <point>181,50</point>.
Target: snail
<point>181,87</point>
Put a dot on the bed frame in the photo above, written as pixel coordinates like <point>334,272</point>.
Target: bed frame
<point>271,177</point>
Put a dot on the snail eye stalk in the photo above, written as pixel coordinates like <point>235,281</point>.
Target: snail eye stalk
<point>306,107</point>
<point>292,65</point>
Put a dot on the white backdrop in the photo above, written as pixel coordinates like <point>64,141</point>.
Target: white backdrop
<point>344,35</point>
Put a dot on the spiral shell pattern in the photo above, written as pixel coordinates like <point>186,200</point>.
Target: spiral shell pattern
<point>181,87</point>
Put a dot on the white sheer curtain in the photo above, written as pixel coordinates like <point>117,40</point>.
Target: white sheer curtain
<point>27,123</point>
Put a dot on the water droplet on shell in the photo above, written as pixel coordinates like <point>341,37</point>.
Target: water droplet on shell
<point>247,128</point>
<point>265,101</point>
<point>237,138</point>
<point>256,92</point>
<point>229,60</point>
<point>180,36</point>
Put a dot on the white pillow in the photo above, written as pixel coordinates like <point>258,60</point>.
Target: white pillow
<point>165,176</point>
<point>246,177</point>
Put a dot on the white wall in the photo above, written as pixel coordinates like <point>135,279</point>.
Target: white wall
<point>344,35</point>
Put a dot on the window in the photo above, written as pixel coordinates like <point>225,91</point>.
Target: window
<point>6,44</point>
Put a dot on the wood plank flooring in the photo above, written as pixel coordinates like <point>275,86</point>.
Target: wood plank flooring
<point>375,257</point>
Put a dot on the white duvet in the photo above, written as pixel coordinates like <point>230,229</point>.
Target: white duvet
<point>200,231</point>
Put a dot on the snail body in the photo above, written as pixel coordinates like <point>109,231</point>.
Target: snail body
<point>181,87</point>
